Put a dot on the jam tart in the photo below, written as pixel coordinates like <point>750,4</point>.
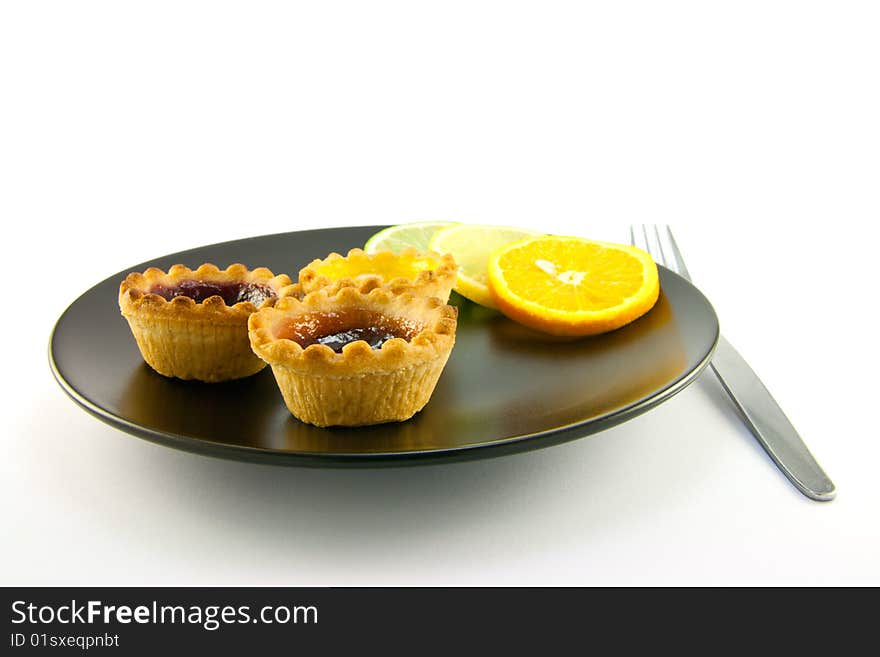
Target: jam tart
<point>355,355</point>
<point>420,273</point>
<point>193,324</point>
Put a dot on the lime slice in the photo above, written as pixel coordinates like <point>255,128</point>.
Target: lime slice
<point>471,245</point>
<point>397,238</point>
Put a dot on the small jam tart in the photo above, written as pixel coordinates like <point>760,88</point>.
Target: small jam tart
<point>353,356</point>
<point>420,273</point>
<point>193,324</point>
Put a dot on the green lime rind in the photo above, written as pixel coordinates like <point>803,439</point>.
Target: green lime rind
<point>397,238</point>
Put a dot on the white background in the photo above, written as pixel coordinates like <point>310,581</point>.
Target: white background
<point>131,130</point>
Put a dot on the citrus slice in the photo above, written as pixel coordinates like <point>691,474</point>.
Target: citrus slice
<point>572,286</point>
<point>396,238</point>
<point>471,245</point>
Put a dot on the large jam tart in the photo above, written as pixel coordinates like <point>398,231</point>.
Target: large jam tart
<point>352,356</point>
<point>193,324</point>
<point>420,273</point>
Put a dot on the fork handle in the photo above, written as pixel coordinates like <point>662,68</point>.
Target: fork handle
<point>769,424</point>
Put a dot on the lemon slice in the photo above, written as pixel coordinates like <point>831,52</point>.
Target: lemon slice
<point>396,238</point>
<point>471,245</point>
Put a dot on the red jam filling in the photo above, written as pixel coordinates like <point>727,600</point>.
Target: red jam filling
<point>231,293</point>
<point>335,330</point>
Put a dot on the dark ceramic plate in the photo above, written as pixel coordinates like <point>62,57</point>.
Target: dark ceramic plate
<point>504,390</point>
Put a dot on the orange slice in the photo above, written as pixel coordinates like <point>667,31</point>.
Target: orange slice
<point>572,286</point>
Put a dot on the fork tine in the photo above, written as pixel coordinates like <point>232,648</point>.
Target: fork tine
<point>680,267</point>
<point>652,243</point>
<point>659,242</point>
<point>638,237</point>
<point>661,252</point>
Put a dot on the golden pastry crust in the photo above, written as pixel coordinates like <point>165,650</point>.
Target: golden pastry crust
<point>360,385</point>
<point>291,290</point>
<point>420,273</point>
<point>135,295</point>
<point>206,341</point>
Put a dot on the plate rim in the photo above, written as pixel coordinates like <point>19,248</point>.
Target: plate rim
<point>494,448</point>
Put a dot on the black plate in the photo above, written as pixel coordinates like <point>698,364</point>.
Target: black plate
<point>504,390</point>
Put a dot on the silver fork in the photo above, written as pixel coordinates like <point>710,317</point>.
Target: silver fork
<point>758,409</point>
